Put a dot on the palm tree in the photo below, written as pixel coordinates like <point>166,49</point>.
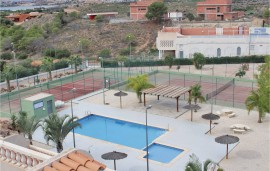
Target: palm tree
<point>76,61</point>
<point>28,125</point>
<point>48,66</point>
<point>196,94</point>
<point>57,128</point>
<point>259,99</point>
<point>7,72</point>
<point>138,84</point>
<point>253,101</point>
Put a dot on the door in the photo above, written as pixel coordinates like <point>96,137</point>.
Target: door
<point>181,54</point>
<point>49,107</point>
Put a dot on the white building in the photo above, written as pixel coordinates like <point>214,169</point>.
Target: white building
<point>214,42</point>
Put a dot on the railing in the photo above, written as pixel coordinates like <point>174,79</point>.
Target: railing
<point>20,156</point>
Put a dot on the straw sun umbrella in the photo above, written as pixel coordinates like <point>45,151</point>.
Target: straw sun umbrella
<point>210,116</point>
<point>114,156</point>
<point>227,139</point>
<point>120,94</point>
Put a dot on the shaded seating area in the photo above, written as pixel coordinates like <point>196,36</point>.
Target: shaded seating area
<point>166,91</point>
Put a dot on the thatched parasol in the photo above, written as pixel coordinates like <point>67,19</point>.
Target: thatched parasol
<point>227,139</point>
<point>210,116</point>
<point>192,107</point>
<point>114,156</point>
<point>120,94</point>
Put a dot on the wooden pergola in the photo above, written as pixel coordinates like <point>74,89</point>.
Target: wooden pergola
<point>166,91</point>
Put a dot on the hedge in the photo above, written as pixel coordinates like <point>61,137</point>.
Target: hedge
<point>187,61</point>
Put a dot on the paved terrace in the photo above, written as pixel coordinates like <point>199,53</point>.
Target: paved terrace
<point>250,154</point>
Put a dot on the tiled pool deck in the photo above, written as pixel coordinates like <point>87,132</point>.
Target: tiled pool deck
<point>182,134</point>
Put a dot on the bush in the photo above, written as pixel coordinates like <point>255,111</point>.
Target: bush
<point>6,56</point>
<point>169,60</point>
<point>21,56</point>
<point>110,64</point>
<point>190,16</point>
<point>105,53</point>
<point>57,53</point>
<point>199,60</point>
<point>61,64</point>
<point>99,18</point>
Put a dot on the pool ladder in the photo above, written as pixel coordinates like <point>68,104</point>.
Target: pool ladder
<point>87,113</point>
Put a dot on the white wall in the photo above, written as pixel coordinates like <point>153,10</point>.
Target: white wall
<point>208,45</point>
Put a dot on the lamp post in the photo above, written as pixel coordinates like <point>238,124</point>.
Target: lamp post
<point>73,90</point>
<point>147,158</point>
<point>129,55</point>
<point>14,57</point>
<point>102,65</point>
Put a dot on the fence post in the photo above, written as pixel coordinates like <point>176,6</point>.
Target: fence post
<point>61,79</point>
<point>28,82</point>
<point>93,82</point>
<point>169,76</point>
<point>233,90</point>
<point>84,83</point>
<point>216,92</point>
<point>9,104</point>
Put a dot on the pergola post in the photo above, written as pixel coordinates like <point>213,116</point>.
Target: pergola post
<point>158,97</point>
<point>177,105</point>
<point>144,101</point>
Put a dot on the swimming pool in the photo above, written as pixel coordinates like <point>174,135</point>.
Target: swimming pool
<point>162,153</point>
<point>118,131</point>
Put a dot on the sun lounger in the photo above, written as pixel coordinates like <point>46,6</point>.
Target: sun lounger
<point>231,115</point>
<point>219,113</point>
<point>241,131</point>
<point>240,126</point>
<point>227,111</point>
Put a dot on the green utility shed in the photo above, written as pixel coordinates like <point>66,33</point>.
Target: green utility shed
<point>41,105</point>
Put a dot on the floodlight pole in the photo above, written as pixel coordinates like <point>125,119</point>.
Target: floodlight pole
<point>74,143</point>
<point>14,57</point>
<point>103,91</point>
<point>147,157</point>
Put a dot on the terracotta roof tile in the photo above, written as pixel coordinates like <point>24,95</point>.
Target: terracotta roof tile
<point>48,168</point>
<point>77,158</point>
<point>81,168</point>
<point>75,161</point>
<point>92,166</point>
<point>61,167</point>
<point>70,163</point>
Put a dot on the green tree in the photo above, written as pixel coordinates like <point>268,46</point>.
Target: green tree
<point>156,11</point>
<point>8,73</point>
<point>105,53</point>
<point>48,65</point>
<point>28,125</point>
<point>194,164</point>
<point>56,129</point>
<point>13,118</point>
<point>198,60</point>
<point>169,61</point>
<point>190,16</point>
<point>266,14</point>
<point>138,84</point>
<point>76,61</point>
<point>196,94</point>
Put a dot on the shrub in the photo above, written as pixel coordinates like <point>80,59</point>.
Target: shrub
<point>198,60</point>
<point>6,56</point>
<point>61,64</point>
<point>190,16</point>
<point>57,53</point>
<point>99,18</point>
<point>169,60</point>
<point>110,64</point>
<point>105,53</point>
<point>21,56</point>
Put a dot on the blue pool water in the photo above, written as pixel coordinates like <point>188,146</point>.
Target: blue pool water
<point>118,131</point>
<point>162,153</point>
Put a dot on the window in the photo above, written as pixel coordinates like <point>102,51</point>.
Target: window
<point>142,9</point>
<point>218,9</point>
<point>210,8</point>
<point>38,105</point>
<point>238,53</point>
<point>252,47</point>
<point>218,52</point>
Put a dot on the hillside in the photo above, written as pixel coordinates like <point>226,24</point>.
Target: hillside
<point>104,36</point>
